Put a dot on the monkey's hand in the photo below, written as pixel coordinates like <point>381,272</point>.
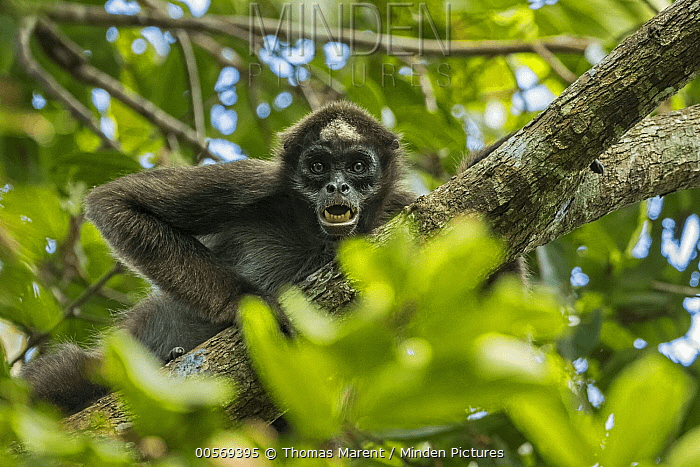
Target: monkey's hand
<point>230,311</point>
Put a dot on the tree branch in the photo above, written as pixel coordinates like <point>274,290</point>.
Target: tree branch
<point>70,311</point>
<point>537,186</point>
<point>52,87</point>
<point>67,54</point>
<point>183,37</point>
<point>63,51</point>
<point>240,27</point>
<point>195,88</point>
<point>554,63</point>
<point>634,168</point>
<point>528,185</point>
<point>658,156</point>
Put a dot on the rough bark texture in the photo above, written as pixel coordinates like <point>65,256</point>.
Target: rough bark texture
<point>658,156</point>
<point>528,185</point>
<point>537,186</point>
<point>224,354</point>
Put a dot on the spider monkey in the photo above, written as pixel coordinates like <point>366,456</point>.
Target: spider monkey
<point>206,236</point>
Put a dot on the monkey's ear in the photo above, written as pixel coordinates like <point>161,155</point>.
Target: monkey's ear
<point>395,144</point>
<point>285,139</point>
<point>288,140</point>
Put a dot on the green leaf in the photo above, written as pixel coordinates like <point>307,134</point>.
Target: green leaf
<point>8,35</point>
<point>300,377</point>
<point>44,438</point>
<point>419,347</point>
<point>93,168</point>
<point>583,338</point>
<point>552,429</point>
<point>475,6</point>
<point>31,215</point>
<point>685,452</point>
<point>4,366</point>
<point>43,435</point>
<point>162,406</point>
<point>648,401</point>
<point>32,220</point>
<point>595,18</point>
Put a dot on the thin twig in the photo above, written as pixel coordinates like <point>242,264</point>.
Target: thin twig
<point>195,87</point>
<point>424,82</point>
<point>69,311</point>
<point>554,63</point>
<point>216,50</point>
<point>87,293</point>
<point>52,86</point>
<point>91,75</point>
<point>240,27</point>
<point>213,48</point>
<point>310,95</point>
<point>675,289</point>
<point>159,8</point>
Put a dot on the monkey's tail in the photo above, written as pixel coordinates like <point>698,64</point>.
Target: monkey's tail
<point>62,377</point>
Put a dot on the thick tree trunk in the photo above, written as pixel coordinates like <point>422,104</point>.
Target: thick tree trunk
<point>536,186</point>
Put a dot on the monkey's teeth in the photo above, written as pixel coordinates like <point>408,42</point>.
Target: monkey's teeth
<point>337,218</point>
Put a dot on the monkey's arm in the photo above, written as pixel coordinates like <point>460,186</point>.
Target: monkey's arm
<point>151,219</point>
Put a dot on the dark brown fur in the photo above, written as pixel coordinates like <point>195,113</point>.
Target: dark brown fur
<point>205,236</point>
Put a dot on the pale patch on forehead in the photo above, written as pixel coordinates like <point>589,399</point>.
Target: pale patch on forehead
<point>339,129</point>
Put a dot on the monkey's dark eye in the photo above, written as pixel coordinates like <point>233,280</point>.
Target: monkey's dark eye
<point>317,167</point>
<point>358,167</point>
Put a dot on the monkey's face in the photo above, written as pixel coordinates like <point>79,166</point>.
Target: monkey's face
<point>338,178</point>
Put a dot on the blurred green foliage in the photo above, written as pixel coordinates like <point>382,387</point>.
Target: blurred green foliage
<point>417,349</point>
<point>425,354</point>
<point>413,363</point>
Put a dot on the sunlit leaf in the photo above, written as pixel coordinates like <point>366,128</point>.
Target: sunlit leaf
<point>648,400</point>
<point>550,427</point>
<point>685,452</point>
<point>301,378</point>
<point>162,404</point>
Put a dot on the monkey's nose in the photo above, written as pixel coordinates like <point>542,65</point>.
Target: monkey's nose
<point>333,187</point>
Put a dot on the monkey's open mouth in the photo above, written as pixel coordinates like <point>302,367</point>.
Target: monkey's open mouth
<point>338,214</point>
<point>338,220</point>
